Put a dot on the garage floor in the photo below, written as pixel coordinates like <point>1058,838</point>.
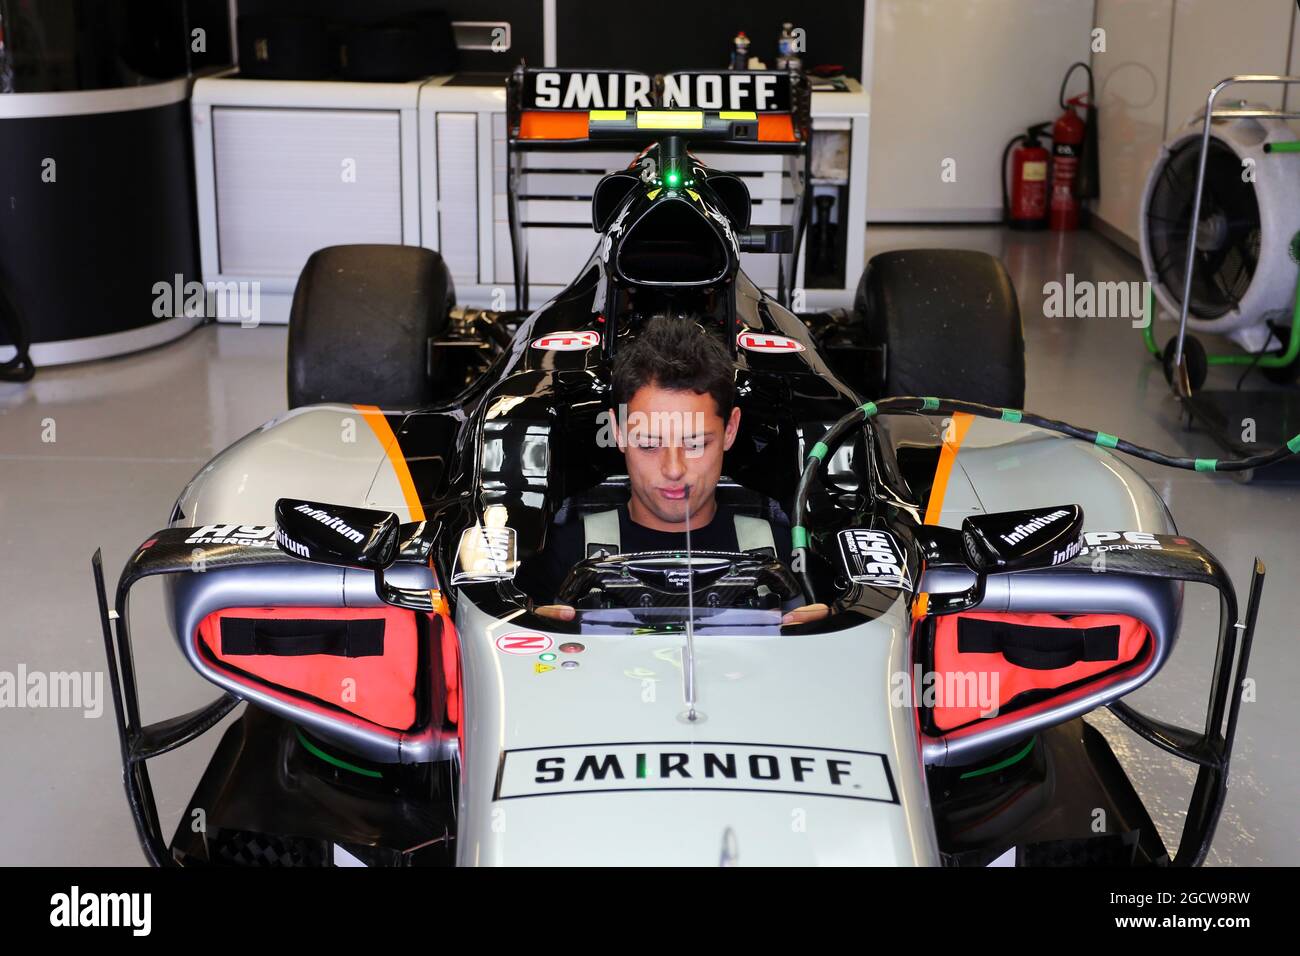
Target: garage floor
<point>95,455</point>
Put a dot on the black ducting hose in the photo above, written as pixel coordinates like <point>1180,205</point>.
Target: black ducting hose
<point>20,368</point>
<point>831,440</point>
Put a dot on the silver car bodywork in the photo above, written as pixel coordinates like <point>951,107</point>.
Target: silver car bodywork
<point>774,707</point>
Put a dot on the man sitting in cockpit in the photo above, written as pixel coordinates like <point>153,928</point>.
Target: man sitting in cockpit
<point>675,416</point>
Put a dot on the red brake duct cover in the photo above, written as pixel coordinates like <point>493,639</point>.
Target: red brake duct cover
<point>379,688</point>
<point>1006,680</point>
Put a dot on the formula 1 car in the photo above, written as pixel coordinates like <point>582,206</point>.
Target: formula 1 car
<point>349,572</point>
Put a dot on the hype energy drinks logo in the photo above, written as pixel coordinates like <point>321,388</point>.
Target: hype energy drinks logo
<point>485,554</point>
<point>249,535</point>
<point>699,765</point>
<point>874,557</point>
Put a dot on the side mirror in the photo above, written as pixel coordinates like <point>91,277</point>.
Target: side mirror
<point>1022,540</point>
<point>336,534</point>
<point>348,537</point>
<point>1010,541</point>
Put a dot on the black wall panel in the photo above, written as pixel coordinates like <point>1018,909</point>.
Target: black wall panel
<point>524,17</point>
<point>63,45</point>
<point>80,255</point>
<point>662,37</point>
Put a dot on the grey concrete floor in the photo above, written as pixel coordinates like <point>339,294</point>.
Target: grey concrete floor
<point>128,433</point>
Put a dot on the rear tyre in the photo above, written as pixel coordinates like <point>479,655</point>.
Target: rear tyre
<point>362,326</point>
<point>949,322</point>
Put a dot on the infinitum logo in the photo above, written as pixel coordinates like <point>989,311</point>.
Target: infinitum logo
<point>74,908</point>
<point>332,521</point>
<point>1022,531</point>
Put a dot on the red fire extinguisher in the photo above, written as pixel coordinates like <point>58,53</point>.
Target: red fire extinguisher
<point>1067,150</point>
<point>1025,206</point>
<point>1074,156</point>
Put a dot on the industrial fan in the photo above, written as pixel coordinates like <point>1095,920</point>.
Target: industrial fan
<point>1244,271</point>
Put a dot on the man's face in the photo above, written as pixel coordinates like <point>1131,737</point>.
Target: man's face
<point>673,441</point>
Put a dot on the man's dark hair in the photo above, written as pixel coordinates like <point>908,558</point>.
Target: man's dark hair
<point>678,355</point>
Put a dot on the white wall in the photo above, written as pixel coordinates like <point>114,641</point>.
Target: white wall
<point>1161,58</point>
<point>1213,39</point>
<point>957,79</point>
<point>1132,79</point>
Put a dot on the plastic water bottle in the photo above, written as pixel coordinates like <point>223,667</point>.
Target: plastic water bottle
<point>740,52</point>
<point>786,57</point>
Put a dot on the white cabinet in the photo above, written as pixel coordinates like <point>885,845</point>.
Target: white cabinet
<point>457,184</point>
<point>291,181</point>
<point>282,169</point>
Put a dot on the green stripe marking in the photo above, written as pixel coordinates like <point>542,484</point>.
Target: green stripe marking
<point>335,761</point>
<point>1106,441</point>
<point>1206,464</point>
<point>1294,445</point>
<point>1011,415</point>
<point>640,766</point>
<point>869,409</point>
<point>819,451</point>
<point>798,537</point>
<point>929,404</point>
<point>1003,764</point>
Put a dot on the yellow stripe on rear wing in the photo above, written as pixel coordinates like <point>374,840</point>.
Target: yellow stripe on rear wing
<point>669,119</point>
<point>733,125</point>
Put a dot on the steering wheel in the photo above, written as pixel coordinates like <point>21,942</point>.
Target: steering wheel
<point>711,580</point>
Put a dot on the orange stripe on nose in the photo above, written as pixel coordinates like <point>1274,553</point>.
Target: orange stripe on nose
<point>383,431</point>
<point>947,458</point>
<point>939,488</point>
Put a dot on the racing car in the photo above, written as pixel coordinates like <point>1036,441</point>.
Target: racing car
<point>348,573</point>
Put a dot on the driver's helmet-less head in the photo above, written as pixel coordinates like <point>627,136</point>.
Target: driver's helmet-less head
<point>675,353</point>
<point>674,401</point>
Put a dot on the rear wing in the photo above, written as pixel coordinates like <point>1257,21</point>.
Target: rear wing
<point>554,108</point>
<point>767,111</point>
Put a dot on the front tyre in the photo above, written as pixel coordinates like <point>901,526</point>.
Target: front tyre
<point>362,326</point>
<point>949,322</point>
